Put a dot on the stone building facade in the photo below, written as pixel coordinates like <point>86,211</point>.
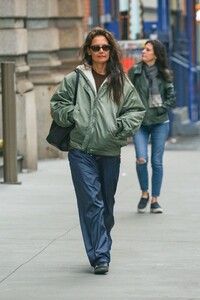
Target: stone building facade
<point>43,38</point>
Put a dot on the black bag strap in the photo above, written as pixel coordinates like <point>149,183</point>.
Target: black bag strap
<point>76,85</point>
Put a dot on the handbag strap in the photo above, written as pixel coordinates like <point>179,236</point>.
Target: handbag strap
<point>76,85</point>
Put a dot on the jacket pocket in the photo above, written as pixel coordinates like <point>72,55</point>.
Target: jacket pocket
<point>119,139</point>
<point>161,111</point>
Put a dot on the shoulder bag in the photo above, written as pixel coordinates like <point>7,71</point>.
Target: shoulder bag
<point>58,136</point>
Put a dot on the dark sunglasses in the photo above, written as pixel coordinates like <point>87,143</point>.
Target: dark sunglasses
<point>96,48</point>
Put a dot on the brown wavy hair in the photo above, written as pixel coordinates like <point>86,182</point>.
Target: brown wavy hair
<point>161,61</point>
<point>114,66</point>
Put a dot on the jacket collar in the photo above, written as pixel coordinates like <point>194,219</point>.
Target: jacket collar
<point>87,71</point>
<point>138,68</point>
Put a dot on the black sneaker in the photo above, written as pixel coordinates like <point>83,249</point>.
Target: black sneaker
<point>142,205</point>
<point>101,268</point>
<point>156,208</point>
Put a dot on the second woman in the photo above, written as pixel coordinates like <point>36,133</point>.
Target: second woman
<point>152,80</point>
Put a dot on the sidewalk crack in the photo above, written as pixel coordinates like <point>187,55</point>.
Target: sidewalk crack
<point>37,254</point>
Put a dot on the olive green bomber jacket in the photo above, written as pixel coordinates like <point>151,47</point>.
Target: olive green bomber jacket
<point>153,115</point>
<point>101,127</point>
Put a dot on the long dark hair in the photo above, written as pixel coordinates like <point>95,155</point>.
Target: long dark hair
<point>114,66</point>
<point>161,61</point>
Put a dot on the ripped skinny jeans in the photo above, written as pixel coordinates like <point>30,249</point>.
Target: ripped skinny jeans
<point>157,135</point>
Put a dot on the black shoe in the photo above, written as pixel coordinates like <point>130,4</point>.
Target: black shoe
<point>142,205</point>
<point>156,208</point>
<point>101,268</point>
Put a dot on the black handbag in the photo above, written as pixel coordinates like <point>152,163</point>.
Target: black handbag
<point>58,136</point>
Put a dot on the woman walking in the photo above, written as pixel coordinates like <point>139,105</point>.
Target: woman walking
<point>108,110</point>
<point>152,80</point>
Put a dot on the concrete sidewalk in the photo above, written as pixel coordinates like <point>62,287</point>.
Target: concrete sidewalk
<point>153,256</point>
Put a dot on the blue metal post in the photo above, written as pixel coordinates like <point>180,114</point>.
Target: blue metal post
<point>109,23</point>
<point>107,8</point>
<point>191,56</point>
<point>163,23</point>
<point>163,34</point>
<point>163,15</point>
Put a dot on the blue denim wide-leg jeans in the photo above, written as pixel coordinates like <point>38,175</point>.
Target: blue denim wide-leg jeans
<point>95,182</point>
<point>158,134</point>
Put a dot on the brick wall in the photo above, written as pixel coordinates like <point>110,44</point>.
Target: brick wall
<point>86,14</point>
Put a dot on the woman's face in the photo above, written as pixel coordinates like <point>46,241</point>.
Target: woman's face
<point>148,55</point>
<point>101,55</point>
